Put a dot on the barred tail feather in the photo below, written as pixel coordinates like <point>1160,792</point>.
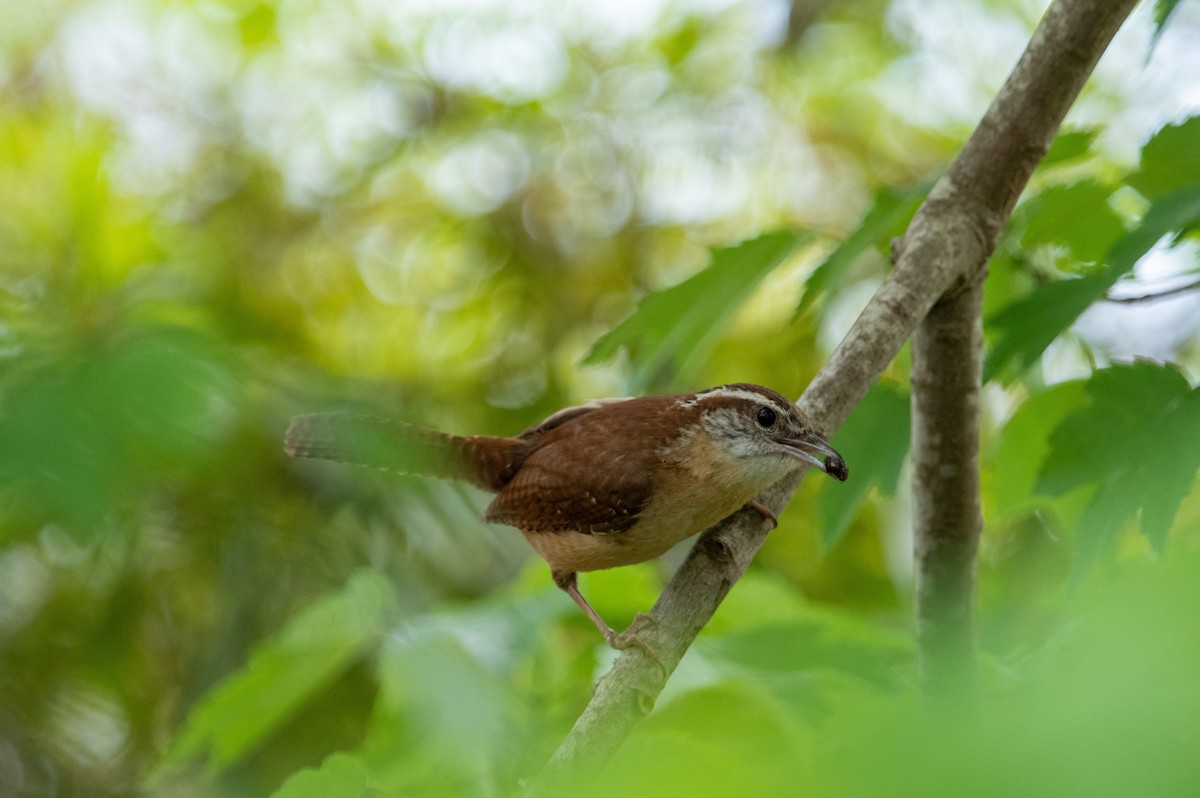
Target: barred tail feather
<point>407,449</point>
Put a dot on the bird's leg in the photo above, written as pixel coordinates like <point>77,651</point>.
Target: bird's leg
<point>567,582</point>
<point>618,640</point>
<point>755,504</point>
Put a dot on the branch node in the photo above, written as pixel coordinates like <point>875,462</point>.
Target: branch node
<point>716,549</point>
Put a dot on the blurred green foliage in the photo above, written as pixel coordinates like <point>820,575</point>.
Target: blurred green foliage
<point>215,215</point>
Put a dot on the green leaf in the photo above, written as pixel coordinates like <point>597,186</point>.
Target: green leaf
<point>1022,331</point>
<point>1069,145</point>
<point>1162,13</point>
<point>723,739</point>
<point>673,330</point>
<point>1170,160</point>
<point>891,210</point>
<point>1025,442</point>
<point>340,776</point>
<point>874,441</point>
<point>1136,441</point>
<point>86,432</point>
<point>447,711</point>
<point>824,640</point>
<point>1173,213</point>
<point>1076,217</point>
<point>309,653</point>
<point>1123,400</point>
<point>1099,526</point>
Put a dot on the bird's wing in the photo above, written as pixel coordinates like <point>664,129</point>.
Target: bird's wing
<point>556,420</point>
<point>596,487</point>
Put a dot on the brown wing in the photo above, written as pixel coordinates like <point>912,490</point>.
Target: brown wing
<point>556,420</point>
<point>583,474</point>
<point>545,496</point>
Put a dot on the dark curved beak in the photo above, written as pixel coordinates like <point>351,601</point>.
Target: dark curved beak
<point>808,447</point>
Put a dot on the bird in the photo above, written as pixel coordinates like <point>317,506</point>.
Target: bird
<point>605,484</point>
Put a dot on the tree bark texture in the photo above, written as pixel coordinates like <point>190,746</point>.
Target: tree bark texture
<point>947,360</point>
<point>946,246</point>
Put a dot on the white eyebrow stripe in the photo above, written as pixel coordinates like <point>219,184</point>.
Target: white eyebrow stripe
<point>740,393</point>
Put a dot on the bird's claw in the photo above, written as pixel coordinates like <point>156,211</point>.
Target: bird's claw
<point>633,638</point>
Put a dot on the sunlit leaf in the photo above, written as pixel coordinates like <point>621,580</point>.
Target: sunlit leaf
<point>889,214</point>
<point>1024,329</point>
<point>1076,218</point>
<point>1025,442</point>
<point>672,331</point>
<point>258,24</point>
<point>816,642</point>
<point>1135,441</point>
<point>339,776</point>
<point>1108,434</point>
<point>82,435</point>
<point>1069,145</point>
<point>1173,213</point>
<point>447,714</point>
<point>1170,160</point>
<point>284,672</point>
<point>874,441</point>
<point>727,739</point>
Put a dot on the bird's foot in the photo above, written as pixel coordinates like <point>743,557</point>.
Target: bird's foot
<point>755,504</point>
<point>633,637</point>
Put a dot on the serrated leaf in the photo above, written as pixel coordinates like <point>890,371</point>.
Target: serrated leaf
<point>284,672</point>
<point>1025,442</point>
<point>1069,145</point>
<point>1123,401</point>
<point>340,776</point>
<point>1170,160</point>
<point>1174,213</point>
<point>891,210</point>
<point>1099,527</point>
<point>673,330</point>
<point>1136,440</point>
<point>1076,217</point>
<point>1173,460</point>
<point>874,440</point>
<point>1022,331</point>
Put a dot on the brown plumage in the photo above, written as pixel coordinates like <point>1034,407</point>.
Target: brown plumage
<point>609,483</point>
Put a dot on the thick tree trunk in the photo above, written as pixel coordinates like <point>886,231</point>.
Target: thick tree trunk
<point>948,243</point>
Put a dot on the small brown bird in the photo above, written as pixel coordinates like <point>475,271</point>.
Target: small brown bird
<point>609,483</point>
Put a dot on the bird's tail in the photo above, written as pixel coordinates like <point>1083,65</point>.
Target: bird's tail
<point>487,463</point>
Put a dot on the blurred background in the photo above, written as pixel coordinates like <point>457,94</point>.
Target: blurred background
<point>215,214</point>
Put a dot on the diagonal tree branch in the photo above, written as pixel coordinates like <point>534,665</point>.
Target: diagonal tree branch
<point>947,245</point>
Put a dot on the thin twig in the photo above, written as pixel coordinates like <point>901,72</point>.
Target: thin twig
<point>1154,296</point>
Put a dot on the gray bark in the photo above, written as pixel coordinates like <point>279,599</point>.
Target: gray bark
<point>947,360</point>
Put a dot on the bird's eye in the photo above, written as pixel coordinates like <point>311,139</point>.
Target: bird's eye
<point>765,416</point>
